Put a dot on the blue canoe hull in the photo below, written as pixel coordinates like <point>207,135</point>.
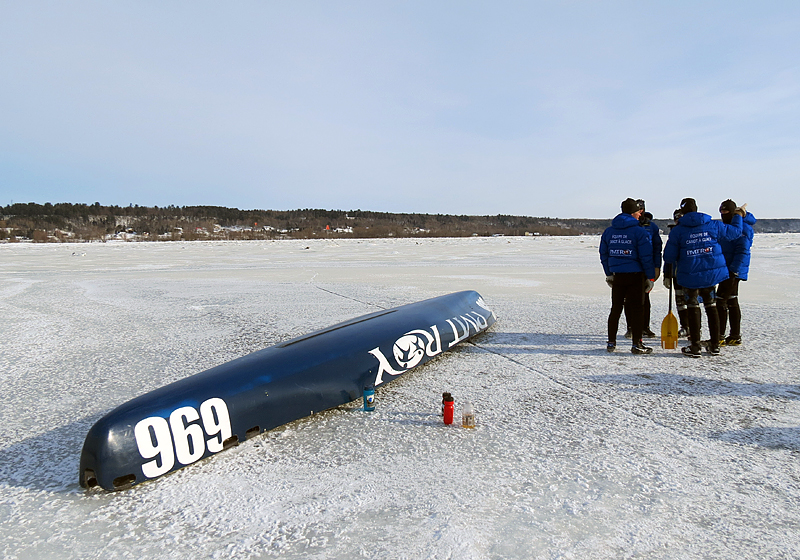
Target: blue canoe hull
<point>188,420</point>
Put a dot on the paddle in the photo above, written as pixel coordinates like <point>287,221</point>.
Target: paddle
<point>669,327</point>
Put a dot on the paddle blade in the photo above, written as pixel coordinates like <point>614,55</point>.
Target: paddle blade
<point>669,332</point>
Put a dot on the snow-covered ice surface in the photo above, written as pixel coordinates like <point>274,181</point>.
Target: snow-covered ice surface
<point>577,453</point>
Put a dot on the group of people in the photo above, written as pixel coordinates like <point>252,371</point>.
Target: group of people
<point>704,260</point>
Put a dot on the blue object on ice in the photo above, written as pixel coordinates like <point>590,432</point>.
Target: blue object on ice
<point>188,420</point>
<point>369,398</point>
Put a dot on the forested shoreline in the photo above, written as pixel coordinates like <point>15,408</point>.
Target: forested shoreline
<point>62,222</point>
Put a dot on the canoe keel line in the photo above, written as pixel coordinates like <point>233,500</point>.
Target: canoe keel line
<point>193,418</point>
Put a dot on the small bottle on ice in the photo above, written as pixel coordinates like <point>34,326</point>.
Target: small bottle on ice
<point>468,415</point>
<point>449,409</point>
<point>369,398</point>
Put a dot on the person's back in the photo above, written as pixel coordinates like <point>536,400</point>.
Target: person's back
<point>646,221</point>
<point>737,251</point>
<point>694,245</point>
<point>626,247</point>
<point>693,248</point>
<point>680,298</point>
<point>737,257</point>
<point>626,253</point>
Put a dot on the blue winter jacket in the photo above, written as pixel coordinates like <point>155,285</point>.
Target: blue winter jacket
<point>737,252</point>
<point>693,247</point>
<point>626,247</point>
<point>655,237</point>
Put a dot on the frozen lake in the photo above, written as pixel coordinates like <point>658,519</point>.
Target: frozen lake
<point>577,453</point>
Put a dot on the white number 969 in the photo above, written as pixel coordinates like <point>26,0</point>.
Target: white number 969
<point>181,437</point>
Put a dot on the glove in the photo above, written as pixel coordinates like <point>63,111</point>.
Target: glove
<point>742,210</point>
<point>649,285</point>
<point>658,273</point>
<point>667,282</point>
<point>610,280</point>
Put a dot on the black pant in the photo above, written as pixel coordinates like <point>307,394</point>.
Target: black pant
<point>645,313</point>
<point>728,305</point>
<point>695,322</point>
<point>680,304</point>
<point>627,293</point>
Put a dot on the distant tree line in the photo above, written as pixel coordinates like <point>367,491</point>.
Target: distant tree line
<point>84,222</point>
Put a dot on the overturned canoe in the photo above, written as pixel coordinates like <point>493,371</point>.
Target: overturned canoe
<point>185,421</point>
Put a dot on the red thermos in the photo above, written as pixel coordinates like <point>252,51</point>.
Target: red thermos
<point>449,409</point>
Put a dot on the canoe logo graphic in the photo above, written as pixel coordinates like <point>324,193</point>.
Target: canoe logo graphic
<point>414,346</point>
<point>409,350</point>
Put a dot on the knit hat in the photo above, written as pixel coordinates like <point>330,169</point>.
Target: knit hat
<point>727,206</point>
<point>640,202</point>
<point>676,215</point>
<point>629,206</point>
<point>688,205</point>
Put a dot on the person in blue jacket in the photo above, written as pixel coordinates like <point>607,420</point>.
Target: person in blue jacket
<point>693,250</point>
<point>646,221</point>
<point>680,298</point>
<point>626,253</point>
<point>737,257</point>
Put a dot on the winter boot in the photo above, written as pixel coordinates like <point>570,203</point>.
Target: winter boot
<point>693,351</point>
<point>713,326</point>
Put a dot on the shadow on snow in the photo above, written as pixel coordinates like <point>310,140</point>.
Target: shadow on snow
<point>687,385</point>
<point>670,384</point>
<point>545,343</point>
<point>563,344</point>
<point>769,437</point>
<point>48,461</point>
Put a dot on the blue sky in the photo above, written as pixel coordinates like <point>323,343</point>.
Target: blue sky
<point>537,108</point>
